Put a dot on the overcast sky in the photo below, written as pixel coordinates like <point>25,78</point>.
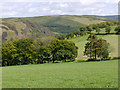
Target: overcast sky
<point>78,7</point>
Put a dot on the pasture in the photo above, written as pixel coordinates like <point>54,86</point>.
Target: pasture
<point>102,74</point>
<point>81,41</point>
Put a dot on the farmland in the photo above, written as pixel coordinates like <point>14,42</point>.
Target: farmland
<point>112,39</point>
<point>62,75</point>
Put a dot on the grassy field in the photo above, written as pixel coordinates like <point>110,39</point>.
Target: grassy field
<point>102,74</point>
<point>81,41</point>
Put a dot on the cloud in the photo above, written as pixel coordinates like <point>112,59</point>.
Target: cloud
<point>64,5</point>
<point>11,14</point>
<point>87,2</point>
<point>45,9</point>
<point>32,10</point>
<point>56,11</point>
<point>83,7</point>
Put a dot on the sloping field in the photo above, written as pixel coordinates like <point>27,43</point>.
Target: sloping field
<point>102,74</point>
<point>81,41</point>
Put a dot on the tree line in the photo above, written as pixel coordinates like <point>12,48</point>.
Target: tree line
<point>37,51</point>
<point>92,27</point>
<point>50,49</point>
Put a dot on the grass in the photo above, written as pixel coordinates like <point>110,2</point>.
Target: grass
<point>81,41</point>
<point>65,23</point>
<point>59,24</point>
<point>102,74</point>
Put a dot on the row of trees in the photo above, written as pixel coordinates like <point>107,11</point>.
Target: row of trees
<point>88,29</point>
<point>96,48</point>
<point>117,29</point>
<point>26,51</point>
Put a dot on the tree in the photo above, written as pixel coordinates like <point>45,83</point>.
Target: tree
<point>63,55</point>
<point>62,49</point>
<point>98,30</point>
<point>102,25</point>
<point>60,37</point>
<point>96,47</point>
<point>71,34</point>
<point>89,28</point>
<point>107,29</point>
<point>109,23</point>
<point>92,37</point>
<point>24,50</point>
<point>41,49</point>
<point>9,54</point>
<point>88,50</point>
<point>17,52</point>
<point>102,48</point>
<point>94,26</point>
<point>42,54</point>
<point>117,29</point>
<point>88,47</point>
<point>78,32</point>
<point>67,36</point>
<point>82,30</point>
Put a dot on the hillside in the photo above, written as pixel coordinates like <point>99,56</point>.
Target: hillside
<point>114,17</point>
<point>81,41</point>
<point>17,28</point>
<point>32,27</point>
<point>65,23</point>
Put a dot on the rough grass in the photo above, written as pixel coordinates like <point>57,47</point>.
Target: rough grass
<point>102,74</point>
<point>81,41</point>
<point>65,23</point>
<point>58,24</point>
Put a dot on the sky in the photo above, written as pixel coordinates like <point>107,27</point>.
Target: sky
<point>30,8</point>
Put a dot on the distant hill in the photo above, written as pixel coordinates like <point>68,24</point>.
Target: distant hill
<point>114,17</point>
<point>65,23</point>
<point>32,27</point>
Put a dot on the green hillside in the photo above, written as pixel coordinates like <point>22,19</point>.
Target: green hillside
<point>81,41</point>
<point>32,27</point>
<point>66,23</point>
<point>102,74</point>
<point>114,17</point>
<point>17,28</point>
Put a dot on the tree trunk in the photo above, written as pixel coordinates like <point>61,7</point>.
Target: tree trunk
<point>90,52</point>
<point>35,61</point>
<point>90,55</point>
<point>48,61</point>
<point>53,60</point>
<point>95,55</point>
<point>38,61</point>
